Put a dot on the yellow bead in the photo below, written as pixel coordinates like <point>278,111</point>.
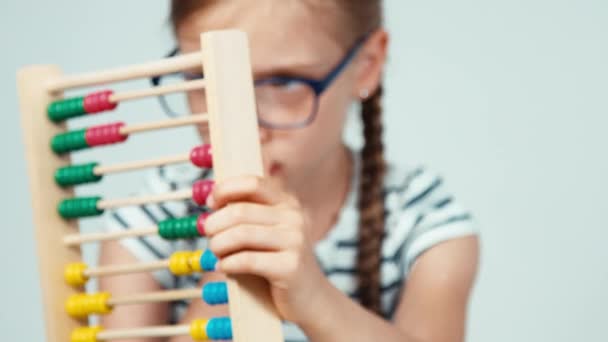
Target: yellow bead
<point>73,306</point>
<point>101,303</point>
<point>82,305</point>
<point>195,261</point>
<point>198,330</point>
<point>85,334</point>
<point>74,274</point>
<point>178,264</point>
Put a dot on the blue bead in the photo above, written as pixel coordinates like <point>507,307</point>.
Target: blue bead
<point>215,293</point>
<point>208,261</point>
<point>219,328</point>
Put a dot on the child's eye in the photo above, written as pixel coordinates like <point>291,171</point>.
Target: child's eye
<point>286,84</point>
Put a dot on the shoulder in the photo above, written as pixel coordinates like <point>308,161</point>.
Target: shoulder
<point>421,212</point>
<point>414,187</point>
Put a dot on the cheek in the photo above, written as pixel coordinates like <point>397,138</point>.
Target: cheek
<point>332,111</point>
<point>303,150</point>
<point>331,116</point>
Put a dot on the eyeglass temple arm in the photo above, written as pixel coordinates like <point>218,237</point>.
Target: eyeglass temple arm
<point>323,84</point>
<point>155,80</point>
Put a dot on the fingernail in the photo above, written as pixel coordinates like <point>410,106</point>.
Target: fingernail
<point>210,202</point>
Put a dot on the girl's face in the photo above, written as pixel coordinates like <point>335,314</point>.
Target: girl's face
<point>287,38</point>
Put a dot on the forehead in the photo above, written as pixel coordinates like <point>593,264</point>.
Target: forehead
<point>282,33</point>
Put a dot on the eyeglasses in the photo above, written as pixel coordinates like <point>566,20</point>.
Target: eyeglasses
<point>283,102</point>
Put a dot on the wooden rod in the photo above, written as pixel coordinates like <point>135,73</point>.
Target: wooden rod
<point>45,194</point>
<point>163,331</point>
<point>149,199</point>
<point>78,239</point>
<point>156,91</point>
<point>153,297</point>
<point>163,124</point>
<point>155,68</point>
<point>234,131</point>
<point>141,164</point>
<point>111,270</point>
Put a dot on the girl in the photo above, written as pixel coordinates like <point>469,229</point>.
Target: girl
<point>354,249</point>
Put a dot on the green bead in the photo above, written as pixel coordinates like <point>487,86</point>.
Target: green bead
<point>64,109</point>
<point>69,141</point>
<point>77,174</point>
<point>79,207</point>
<point>182,228</point>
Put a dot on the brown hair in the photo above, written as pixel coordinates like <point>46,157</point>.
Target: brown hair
<point>360,16</point>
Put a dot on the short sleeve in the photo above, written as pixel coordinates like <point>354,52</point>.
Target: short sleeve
<point>434,216</point>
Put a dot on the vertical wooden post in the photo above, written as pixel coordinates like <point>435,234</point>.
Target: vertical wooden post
<point>49,227</point>
<point>236,151</point>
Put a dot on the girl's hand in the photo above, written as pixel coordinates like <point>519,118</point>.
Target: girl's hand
<point>257,228</point>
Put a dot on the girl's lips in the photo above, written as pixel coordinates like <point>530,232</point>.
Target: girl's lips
<point>274,168</point>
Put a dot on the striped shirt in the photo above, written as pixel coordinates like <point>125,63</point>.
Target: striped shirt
<point>420,213</point>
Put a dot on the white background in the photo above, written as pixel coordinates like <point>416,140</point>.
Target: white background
<point>507,99</point>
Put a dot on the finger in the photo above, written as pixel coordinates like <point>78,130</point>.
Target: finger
<point>242,213</point>
<point>245,188</point>
<point>270,265</point>
<point>251,237</point>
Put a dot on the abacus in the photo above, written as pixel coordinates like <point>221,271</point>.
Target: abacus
<point>228,85</point>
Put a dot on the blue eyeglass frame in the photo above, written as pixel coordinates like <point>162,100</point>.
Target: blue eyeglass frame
<point>317,85</point>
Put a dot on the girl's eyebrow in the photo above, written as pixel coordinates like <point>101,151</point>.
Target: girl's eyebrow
<point>299,70</point>
<point>296,70</point>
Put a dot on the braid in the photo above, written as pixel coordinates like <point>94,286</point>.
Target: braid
<point>371,204</point>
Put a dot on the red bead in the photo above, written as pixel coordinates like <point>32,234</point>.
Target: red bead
<point>201,156</point>
<point>105,134</point>
<point>201,190</point>
<point>99,102</point>
<point>200,223</point>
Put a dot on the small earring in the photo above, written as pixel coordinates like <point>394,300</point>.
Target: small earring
<point>364,94</point>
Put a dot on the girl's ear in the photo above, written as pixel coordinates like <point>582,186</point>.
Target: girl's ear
<point>370,65</point>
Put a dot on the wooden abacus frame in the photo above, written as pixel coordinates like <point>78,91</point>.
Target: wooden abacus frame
<point>236,151</point>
